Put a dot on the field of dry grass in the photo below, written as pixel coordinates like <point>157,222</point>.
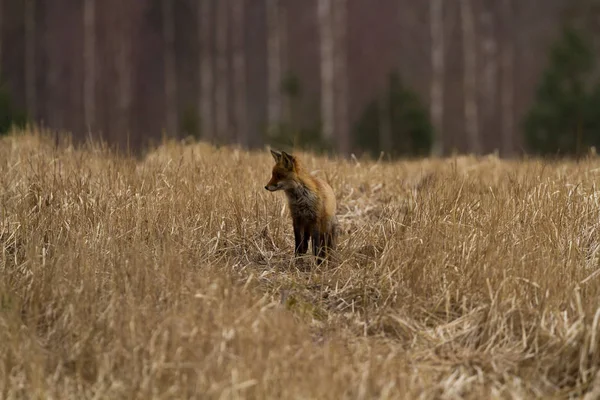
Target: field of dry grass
<point>172,277</point>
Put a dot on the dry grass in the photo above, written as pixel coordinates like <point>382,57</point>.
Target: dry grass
<point>172,277</point>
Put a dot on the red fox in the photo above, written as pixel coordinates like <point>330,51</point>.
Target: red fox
<point>312,205</point>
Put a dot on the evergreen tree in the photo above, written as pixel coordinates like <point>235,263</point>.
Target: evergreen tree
<point>411,130</point>
<point>564,117</point>
<point>10,115</point>
<point>366,130</point>
<point>289,132</point>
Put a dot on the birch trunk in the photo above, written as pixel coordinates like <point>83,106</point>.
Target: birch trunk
<point>221,97</point>
<point>436,15</point>
<point>205,110</point>
<point>30,86</point>
<point>89,62</point>
<point>274,63</point>
<point>507,87</point>
<point>327,67</point>
<point>170,67</point>
<point>341,126</point>
<point>239,72</point>
<point>470,77</point>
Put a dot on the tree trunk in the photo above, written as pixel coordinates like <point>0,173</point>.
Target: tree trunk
<point>327,67</point>
<point>221,97</point>
<point>274,63</point>
<point>286,99</point>
<point>30,84</point>
<point>470,77</point>
<point>206,69</point>
<point>341,126</point>
<point>239,72</point>
<point>489,84</point>
<point>507,86</point>
<point>89,62</point>
<point>436,15</point>
<point>170,67</point>
<point>1,36</point>
<point>54,99</point>
<point>124,73</point>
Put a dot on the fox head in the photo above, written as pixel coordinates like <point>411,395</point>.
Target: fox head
<point>284,172</point>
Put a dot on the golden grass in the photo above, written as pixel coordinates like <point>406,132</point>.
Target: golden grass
<point>172,277</point>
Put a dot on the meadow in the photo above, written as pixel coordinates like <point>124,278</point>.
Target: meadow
<point>171,276</point>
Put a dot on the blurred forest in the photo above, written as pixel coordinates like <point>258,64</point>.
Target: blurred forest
<point>402,76</point>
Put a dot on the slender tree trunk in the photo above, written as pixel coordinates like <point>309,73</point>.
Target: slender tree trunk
<point>286,100</point>
<point>206,69</point>
<point>507,86</point>
<point>239,72</point>
<point>89,61</point>
<point>124,73</point>
<point>30,86</point>
<point>274,63</point>
<point>489,82</point>
<point>436,16</point>
<point>470,76</point>
<point>341,125</point>
<point>170,67</point>
<point>221,97</point>
<point>327,67</point>
<point>54,101</point>
<point>1,36</point>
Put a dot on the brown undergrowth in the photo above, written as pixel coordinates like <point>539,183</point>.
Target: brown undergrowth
<point>172,277</point>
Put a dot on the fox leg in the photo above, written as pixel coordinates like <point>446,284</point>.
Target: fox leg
<point>332,234</point>
<point>328,239</point>
<point>305,240</point>
<point>318,240</point>
<point>297,240</point>
<point>301,240</point>
<point>327,242</point>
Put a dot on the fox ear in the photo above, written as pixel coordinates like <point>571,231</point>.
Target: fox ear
<point>288,160</point>
<point>276,155</point>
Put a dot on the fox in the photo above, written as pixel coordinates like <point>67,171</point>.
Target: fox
<point>312,206</point>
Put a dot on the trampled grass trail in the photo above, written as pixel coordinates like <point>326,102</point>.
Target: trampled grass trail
<point>172,277</point>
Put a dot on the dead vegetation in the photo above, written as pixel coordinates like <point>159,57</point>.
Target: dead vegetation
<point>172,277</point>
